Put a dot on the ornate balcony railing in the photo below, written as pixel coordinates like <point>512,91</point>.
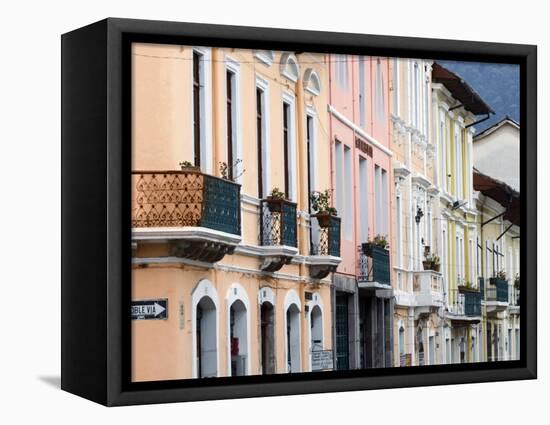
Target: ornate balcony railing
<point>325,245</point>
<point>428,288</point>
<point>457,302</point>
<point>472,301</point>
<point>185,198</point>
<point>278,226</point>
<point>514,296</point>
<point>374,264</point>
<point>326,241</point>
<point>481,285</point>
<point>497,290</point>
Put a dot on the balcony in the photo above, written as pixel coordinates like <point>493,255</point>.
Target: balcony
<point>325,245</point>
<point>198,215</point>
<point>496,295</point>
<point>373,267</point>
<point>465,305</point>
<point>278,233</point>
<point>513,307</point>
<point>428,288</point>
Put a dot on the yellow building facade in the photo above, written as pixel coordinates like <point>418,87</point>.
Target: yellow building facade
<point>227,145</point>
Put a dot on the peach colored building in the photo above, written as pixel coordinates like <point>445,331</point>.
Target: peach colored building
<point>246,280</point>
<point>361,173</point>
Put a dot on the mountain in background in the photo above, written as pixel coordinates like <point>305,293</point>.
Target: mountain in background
<point>497,84</point>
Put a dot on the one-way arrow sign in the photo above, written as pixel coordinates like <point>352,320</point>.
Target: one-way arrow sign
<point>150,309</point>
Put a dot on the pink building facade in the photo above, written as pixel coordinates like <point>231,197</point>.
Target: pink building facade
<point>359,120</point>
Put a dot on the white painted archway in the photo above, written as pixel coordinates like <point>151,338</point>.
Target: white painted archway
<point>292,331</point>
<point>205,298</point>
<point>238,299</point>
<point>315,319</point>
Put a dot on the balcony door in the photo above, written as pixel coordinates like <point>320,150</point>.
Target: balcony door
<point>238,338</point>
<point>293,338</point>
<point>206,338</point>
<point>268,338</point>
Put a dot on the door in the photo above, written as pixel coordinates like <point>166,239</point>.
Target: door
<point>342,333</point>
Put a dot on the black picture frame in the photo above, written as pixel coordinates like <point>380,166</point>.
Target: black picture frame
<point>95,185</point>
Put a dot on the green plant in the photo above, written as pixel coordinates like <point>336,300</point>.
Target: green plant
<point>225,168</point>
<point>434,259</point>
<point>381,241</point>
<point>186,164</point>
<point>320,202</point>
<point>277,194</point>
<point>501,275</point>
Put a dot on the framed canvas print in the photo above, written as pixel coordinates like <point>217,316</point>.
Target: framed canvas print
<point>252,212</point>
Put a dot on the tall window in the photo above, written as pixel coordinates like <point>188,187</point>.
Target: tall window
<point>310,158</point>
<point>286,119</point>
<point>458,162</point>
<point>415,94</point>
<point>259,139</point>
<point>396,84</point>
<point>399,230</point>
<point>443,153</point>
<point>381,200</point>
<point>348,188</point>
<point>362,92</point>
<point>230,77</point>
<point>379,92</point>
<point>341,68</point>
<point>198,106</point>
<point>363,199</point>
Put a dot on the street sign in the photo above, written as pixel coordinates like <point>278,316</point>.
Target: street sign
<point>150,309</point>
<point>322,360</point>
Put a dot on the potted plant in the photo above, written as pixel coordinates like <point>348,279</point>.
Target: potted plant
<point>432,262</point>
<point>516,281</point>
<point>225,170</point>
<point>275,200</point>
<point>188,166</point>
<point>320,202</point>
<point>501,275</point>
<point>379,241</point>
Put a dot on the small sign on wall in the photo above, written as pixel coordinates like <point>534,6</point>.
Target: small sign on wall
<point>322,360</point>
<point>150,309</point>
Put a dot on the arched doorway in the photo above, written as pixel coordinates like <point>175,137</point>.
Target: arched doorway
<point>316,328</point>
<point>293,338</point>
<point>238,338</point>
<point>267,315</point>
<point>206,338</point>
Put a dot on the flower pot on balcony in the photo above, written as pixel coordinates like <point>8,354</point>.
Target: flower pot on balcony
<point>427,265</point>
<point>274,204</point>
<point>323,218</point>
<point>436,267</point>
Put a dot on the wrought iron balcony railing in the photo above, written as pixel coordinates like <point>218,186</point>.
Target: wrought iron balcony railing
<point>278,226</point>
<point>325,245</point>
<point>374,264</point>
<point>456,302</point>
<point>185,198</point>
<point>472,301</point>
<point>514,295</point>
<point>325,240</point>
<point>497,290</point>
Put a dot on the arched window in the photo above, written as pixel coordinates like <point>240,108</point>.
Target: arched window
<point>316,340</point>
<point>265,56</point>
<point>289,67</point>
<point>205,330</point>
<point>401,341</point>
<point>266,299</point>
<point>312,83</point>
<point>238,322</point>
<point>292,308</point>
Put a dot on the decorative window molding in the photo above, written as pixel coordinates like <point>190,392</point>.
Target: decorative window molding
<point>233,66</point>
<point>290,100</point>
<point>263,85</point>
<point>265,56</point>
<point>312,82</point>
<point>237,293</point>
<point>206,108</point>
<point>289,67</point>
<point>204,289</point>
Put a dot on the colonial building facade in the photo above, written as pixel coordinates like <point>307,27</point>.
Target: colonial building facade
<point>410,259</point>
<point>227,146</point>
<point>360,169</point>
<point>419,295</point>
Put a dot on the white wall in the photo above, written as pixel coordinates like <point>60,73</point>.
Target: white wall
<point>30,384</point>
<point>497,155</point>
